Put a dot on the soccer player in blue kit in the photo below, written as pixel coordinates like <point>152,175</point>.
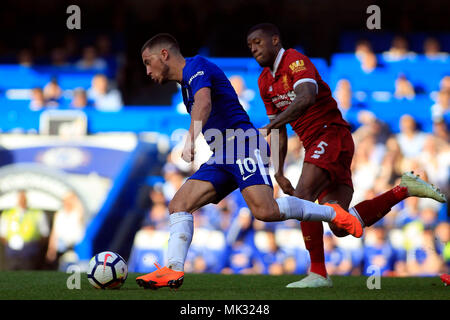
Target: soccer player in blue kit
<point>240,158</point>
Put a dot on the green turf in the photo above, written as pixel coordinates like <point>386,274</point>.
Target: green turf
<point>52,285</point>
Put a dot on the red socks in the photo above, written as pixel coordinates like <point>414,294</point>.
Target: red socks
<point>313,236</point>
<point>373,210</point>
<point>370,212</point>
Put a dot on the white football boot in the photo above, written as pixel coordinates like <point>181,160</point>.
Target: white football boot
<point>419,188</point>
<point>312,280</point>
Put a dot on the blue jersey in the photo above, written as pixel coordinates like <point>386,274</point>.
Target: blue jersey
<point>239,159</point>
<point>226,111</point>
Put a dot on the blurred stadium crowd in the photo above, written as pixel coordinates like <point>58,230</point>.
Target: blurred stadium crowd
<point>398,103</point>
<point>64,78</point>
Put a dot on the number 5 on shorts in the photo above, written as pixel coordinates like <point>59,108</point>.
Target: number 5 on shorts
<point>320,150</point>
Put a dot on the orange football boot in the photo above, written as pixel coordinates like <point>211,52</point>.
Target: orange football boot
<point>163,277</point>
<point>346,221</point>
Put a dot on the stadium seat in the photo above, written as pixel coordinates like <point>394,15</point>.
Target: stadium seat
<point>344,62</point>
<point>19,77</point>
<point>322,67</point>
<point>75,80</point>
<point>424,74</point>
<point>391,111</point>
<point>378,80</point>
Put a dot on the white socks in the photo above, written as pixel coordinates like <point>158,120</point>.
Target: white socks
<point>181,231</point>
<point>295,208</point>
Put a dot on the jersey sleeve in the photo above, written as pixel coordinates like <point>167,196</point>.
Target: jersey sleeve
<point>271,110</point>
<point>200,77</point>
<point>301,70</point>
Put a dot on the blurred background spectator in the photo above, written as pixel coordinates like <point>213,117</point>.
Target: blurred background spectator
<point>343,95</point>
<point>58,57</point>
<point>90,60</point>
<point>435,160</point>
<point>404,88</point>
<point>369,62</point>
<point>24,233</point>
<point>25,58</point>
<point>432,48</point>
<point>52,93</point>
<point>245,94</point>
<point>337,260</point>
<point>270,256</point>
<point>424,260</point>
<point>444,84</point>
<point>67,228</point>
<point>371,125</point>
<point>442,232</point>
<point>399,49</point>
<point>378,251</point>
<point>362,48</point>
<point>103,96</point>
<point>37,101</point>
<point>242,254</point>
<point>442,105</point>
<point>157,217</point>
<point>440,131</point>
<point>410,140</point>
<point>79,100</point>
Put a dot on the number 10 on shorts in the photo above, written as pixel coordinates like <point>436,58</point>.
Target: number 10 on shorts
<point>248,164</point>
<point>320,150</point>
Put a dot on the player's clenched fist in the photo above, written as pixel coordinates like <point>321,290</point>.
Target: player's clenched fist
<point>188,151</point>
<point>285,184</point>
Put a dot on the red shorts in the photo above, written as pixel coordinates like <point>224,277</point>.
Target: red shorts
<point>332,150</point>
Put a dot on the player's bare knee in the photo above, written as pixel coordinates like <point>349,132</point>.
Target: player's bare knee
<point>173,206</point>
<point>178,206</point>
<point>307,193</point>
<point>266,214</point>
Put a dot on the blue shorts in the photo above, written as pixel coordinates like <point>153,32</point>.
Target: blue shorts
<point>247,166</point>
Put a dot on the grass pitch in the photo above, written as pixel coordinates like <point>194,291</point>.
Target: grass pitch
<point>49,285</point>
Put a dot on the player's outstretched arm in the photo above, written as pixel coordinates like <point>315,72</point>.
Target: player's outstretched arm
<point>199,115</point>
<point>305,97</point>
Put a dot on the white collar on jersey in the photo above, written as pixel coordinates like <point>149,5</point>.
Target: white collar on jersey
<point>277,61</point>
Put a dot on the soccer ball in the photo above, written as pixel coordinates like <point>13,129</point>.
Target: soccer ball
<point>107,270</point>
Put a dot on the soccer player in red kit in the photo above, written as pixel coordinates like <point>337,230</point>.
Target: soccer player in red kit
<point>293,92</point>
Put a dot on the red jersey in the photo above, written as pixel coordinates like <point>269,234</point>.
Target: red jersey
<point>277,91</point>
